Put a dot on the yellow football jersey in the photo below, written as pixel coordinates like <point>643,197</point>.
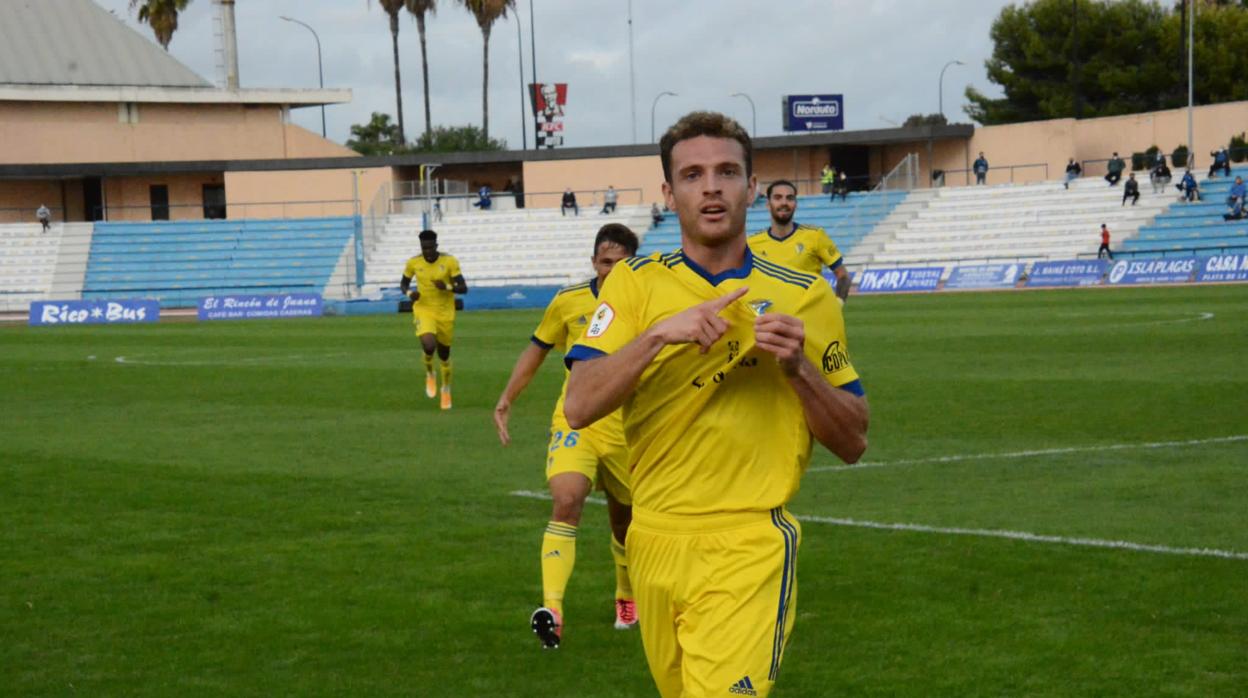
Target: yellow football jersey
<point>564,321</point>
<point>722,431</point>
<point>443,269</point>
<point>807,248</point>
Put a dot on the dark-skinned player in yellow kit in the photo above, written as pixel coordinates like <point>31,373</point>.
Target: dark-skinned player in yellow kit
<point>438,278</point>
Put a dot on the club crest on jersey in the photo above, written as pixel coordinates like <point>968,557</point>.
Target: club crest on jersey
<point>760,306</point>
<point>800,248</point>
<point>602,320</point>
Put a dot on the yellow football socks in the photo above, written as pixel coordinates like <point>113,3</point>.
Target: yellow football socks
<point>446,374</point>
<point>558,558</point>
<point>428,364</point>
<point>623,587</point>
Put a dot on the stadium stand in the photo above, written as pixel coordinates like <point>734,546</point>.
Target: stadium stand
<point>1020,222</point>
<point>1187,229</point>
<point>847,222</point>
<point>499,248</point>
<point>41,266</point>
<point>179,262</point>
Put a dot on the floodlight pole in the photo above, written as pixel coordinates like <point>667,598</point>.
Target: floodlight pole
<point>941,84</point>
<point>753,113</point>
<point>654,104</point>
<point>320,66</point>
<point>632,74</point>
<point>1191,22</point>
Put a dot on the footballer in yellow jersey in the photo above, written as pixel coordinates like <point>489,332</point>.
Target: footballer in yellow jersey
<point>438,278</point>
<point>804,247</point>
<point>576,459</point>
<point>728,367</point>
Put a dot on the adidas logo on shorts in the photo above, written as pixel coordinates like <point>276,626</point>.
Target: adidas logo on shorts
<point>743,688</point>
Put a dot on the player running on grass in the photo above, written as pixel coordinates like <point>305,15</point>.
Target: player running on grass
<point>804,247</point>
<point>728,367</point>
<point>438,279</point>
<point>577,459</point>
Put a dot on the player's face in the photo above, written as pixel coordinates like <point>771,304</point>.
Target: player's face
<point>710,191</point>
<point>783,204</point>
<point>429,250</point>
<point>605,258</point>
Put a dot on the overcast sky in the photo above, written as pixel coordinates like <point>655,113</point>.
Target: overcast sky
<point>885,56</point>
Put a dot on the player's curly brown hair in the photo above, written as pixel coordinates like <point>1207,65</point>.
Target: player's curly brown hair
<point>704,123</point>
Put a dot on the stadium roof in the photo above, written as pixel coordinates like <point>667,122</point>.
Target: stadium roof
<point>867,137</point>
<point>75,51</point>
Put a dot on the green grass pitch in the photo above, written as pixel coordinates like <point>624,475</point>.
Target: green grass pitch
<point>274,508</point>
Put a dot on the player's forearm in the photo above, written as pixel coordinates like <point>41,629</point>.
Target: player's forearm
<point>837,418</point>
<point>842,283</point>
<point>597,387</point>
<point>526,367</point>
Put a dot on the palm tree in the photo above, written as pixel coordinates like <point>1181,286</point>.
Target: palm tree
<point>161,16</point>
<point>419,8</point>
<point>487,12</point>
<point>392,8</point>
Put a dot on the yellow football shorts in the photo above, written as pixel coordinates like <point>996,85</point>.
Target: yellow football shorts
<point>435,321</point>
<point>593,452</point>
<point>716,598</point>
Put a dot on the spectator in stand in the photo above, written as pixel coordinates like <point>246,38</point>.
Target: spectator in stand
<point>980,168</point>
<point>437,209</point>
<point>1188,186</point>
<point>1115,168</point>
<point>1073,171</point>
<point>569,202</point>
<point>45,217</point>
<point>827,178</point>
<point>1160,175</point>
<point>608,201</point>
<point>1236,197</point>
<point>656,215</point>
<point>517,191</point>
<point>1104,248</point>
<point>483,201</point>
<point>842,185</point>
<point>1236,212</point>
<point>1131,190</point>
<point>1221,161</point>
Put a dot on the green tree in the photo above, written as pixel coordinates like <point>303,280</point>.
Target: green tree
<point>925,120</point>
<point>418,9</point>
<point>378,137</point>
<point>486,13</point>
<point>455,139</point>
<point>1126,59</point>
<point>392,8</point>
<point>161,16</point>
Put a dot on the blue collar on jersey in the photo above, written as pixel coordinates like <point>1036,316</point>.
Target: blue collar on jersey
<point>740,272</point>
<point>593,286</point>
<point>786,237</point>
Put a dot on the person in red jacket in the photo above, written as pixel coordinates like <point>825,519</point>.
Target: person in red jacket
<point>1104,243</point>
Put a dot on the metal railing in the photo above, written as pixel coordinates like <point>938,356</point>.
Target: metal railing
<point>811,187</point>
<point>1172,252</point>
<point>437,205</point>
<point>26,214</point>
<point>994,169</point>
<point>142,213</point>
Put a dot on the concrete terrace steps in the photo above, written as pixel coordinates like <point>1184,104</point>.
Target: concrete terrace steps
<point>1032,221</point>
<point>177,262</point>
<point>533,246</point>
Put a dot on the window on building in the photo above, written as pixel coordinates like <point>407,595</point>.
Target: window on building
<point>214,201</point>
<point>160,202</point>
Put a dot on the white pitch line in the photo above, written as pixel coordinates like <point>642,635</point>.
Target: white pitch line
<point>1029,454</point>
<point>1032,538</point>
<point>989,533</point>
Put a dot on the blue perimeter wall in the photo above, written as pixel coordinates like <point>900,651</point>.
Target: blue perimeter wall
<point>488,298</point>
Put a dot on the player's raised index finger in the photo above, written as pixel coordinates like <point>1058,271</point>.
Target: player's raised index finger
<point>725,300</point>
